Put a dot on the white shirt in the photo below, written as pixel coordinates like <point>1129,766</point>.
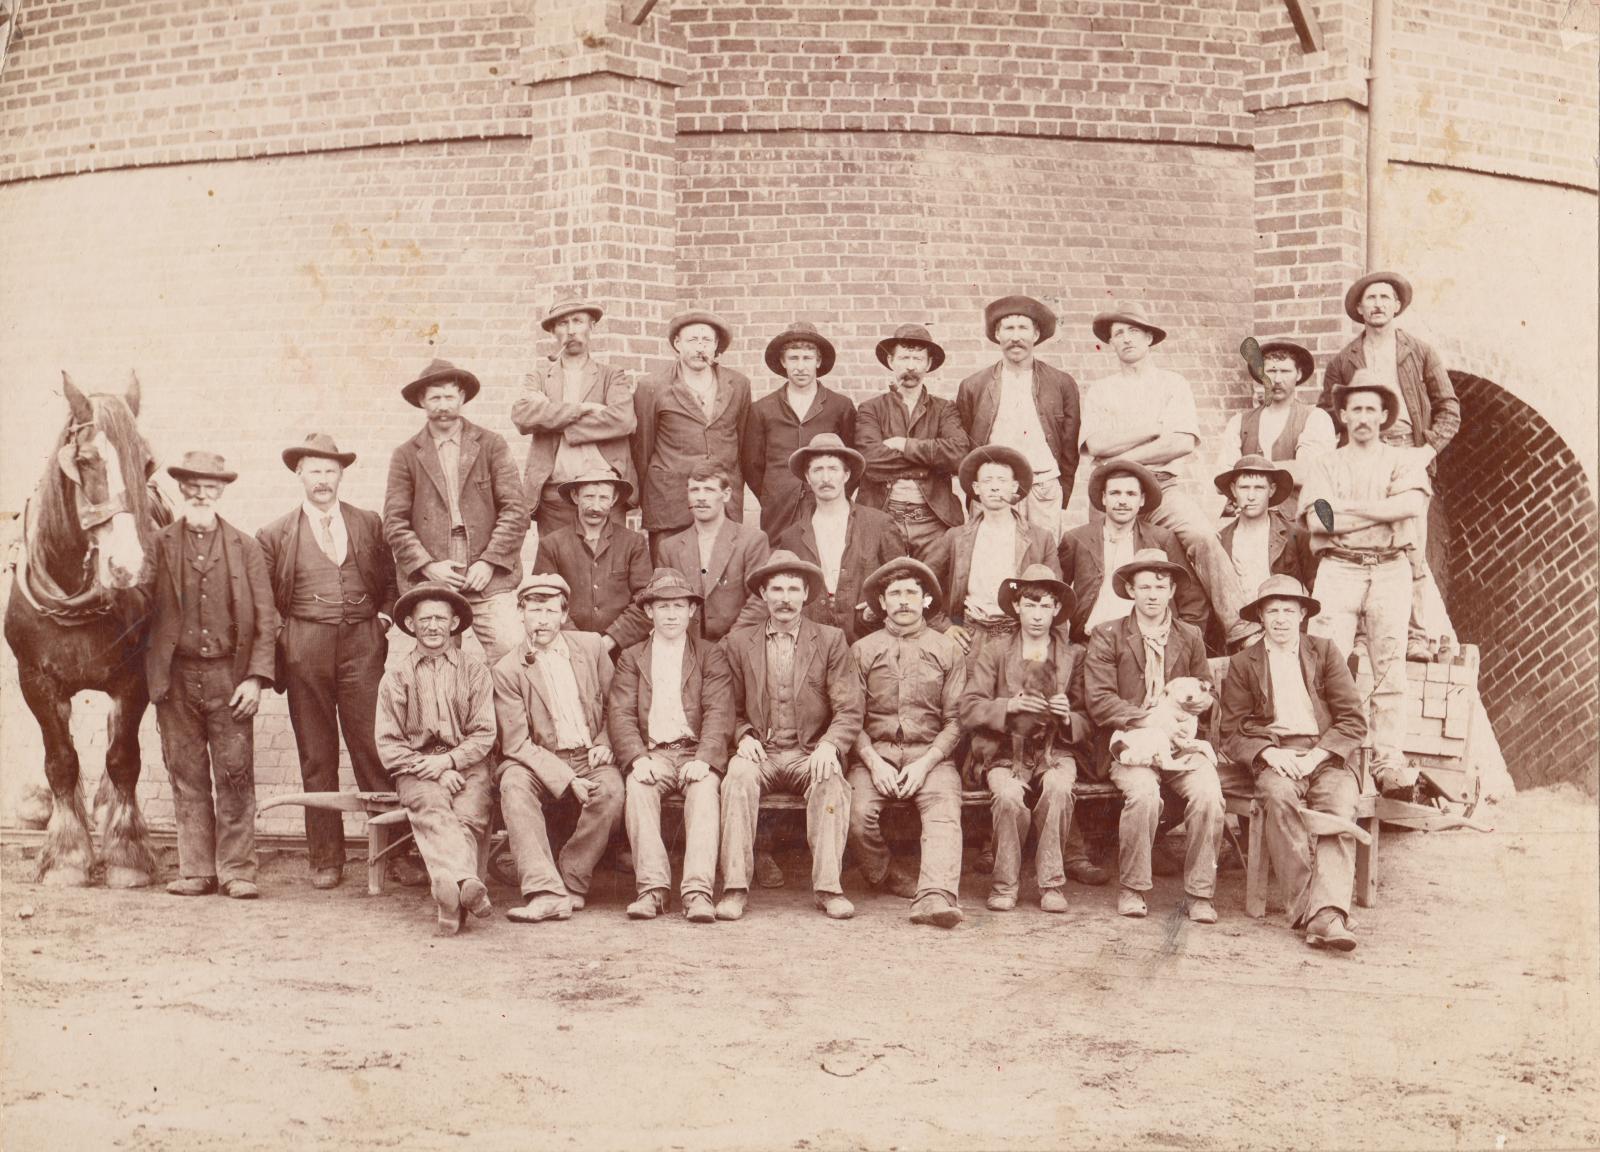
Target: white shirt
<point>572,730</point>
<point>667,721</point>
<point>1017,425</point>
<point>1292,712</point>
<point>801,405</point>
<point>341,535</point>
<point>1120,400</point>
<point>1316,438</point>
<point>1382,354</point>
<point>830,528</point>
<point>994,558</point>
<point>1116,551</point>
<point>1250,560</point>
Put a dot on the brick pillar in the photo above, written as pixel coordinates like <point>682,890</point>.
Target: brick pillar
<point>603,107</point>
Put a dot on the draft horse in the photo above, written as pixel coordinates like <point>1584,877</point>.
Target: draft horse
<point>77,620</point>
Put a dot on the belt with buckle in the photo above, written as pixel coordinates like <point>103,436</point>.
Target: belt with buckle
<point>906,510</point>
<point>681,744</point>
<point>1364,556</point>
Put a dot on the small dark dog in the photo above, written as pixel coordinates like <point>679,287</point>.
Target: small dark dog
<point>1032,736</point>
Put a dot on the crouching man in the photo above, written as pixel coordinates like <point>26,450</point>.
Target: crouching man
<point>550,703</point>
<point>671,722</point>
<point>435,731</point>
<point>911,679</point>
<point>1291,713</point>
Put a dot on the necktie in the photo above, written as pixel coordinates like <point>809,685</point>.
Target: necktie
<point>328,546</point>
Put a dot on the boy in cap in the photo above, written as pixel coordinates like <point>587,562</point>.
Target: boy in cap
<point>604,562</point>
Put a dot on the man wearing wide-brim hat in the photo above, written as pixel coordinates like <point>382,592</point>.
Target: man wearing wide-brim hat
<point>913,443</point>
<point>1291,715</point>
<point>798,708</point>
<point>577,413</point>
<point>691,411</point>
<point>212,629</point>
<point>605,563</point>
<point>1261,539</point>
<point>789,418</point>
<point>1427,414</point>
<point>1371,493</point>
<point>453,510</point>
<point>1281,428</point>
<point>334,584</point>
<point>1145,414</point>
<point>1025,404</point>
<point>1126,671</point>
<point>911,681</point>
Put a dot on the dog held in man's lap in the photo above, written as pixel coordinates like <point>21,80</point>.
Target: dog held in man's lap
<point>1171,729</point>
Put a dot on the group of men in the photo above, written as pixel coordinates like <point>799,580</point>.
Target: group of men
<point>849,646</point>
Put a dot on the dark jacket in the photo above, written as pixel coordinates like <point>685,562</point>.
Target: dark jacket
<point>951,559</point>
<point>827,692</point>
<point>1113,676</point>
<point>604,582</point>
<point>1082,556</point>
<point>996,676</point>
<point>1430,397</point>
<point>935,446</point>
<point>255,620</point>
<point>871,540</point>
<point>416,516</point>
<point>1288,549</point>
<point>707,703</point>
<point>546,422</point>
<point>1055,394</point>
<point>673,435</point>
<point>772,434</point>
<point>739,550</point>
<point>1247,702</point>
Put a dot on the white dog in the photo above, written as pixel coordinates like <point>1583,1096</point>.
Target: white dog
<point>1170,730</point>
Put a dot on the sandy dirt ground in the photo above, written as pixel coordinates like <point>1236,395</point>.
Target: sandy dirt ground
<point>1468,1018</point>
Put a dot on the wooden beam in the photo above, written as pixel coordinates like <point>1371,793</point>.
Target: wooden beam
<point>637,10</point>
<point>1304,19</point>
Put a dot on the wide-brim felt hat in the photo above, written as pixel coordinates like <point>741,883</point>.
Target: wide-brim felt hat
<point>1038,311</point>
<point>202,466</point>
<point>1279,587</point>
<point>432,590</point>
<point>696,316</point>
<point>1365,381</point>
<point>667,584</point>
<point>1305,363</point>
<point>1281,479</point>
<point>321,446</point>
<point>563,308</point>
<point>911,334</point>
<point>1037,576</point>
<point>800,331</point>
<point>569,488</point>
<point>1127,314</point>
<point>1352,298</point>
<point>995,454</point>
<point>441,372</point>
<point>543,583</point>
<point>828,444</point>
<point>1146,560</point>
<point>1147,482</point>
<point>783,562</point>
<point>902,568</point>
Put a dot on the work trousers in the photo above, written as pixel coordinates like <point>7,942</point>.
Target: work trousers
<point>1316,875</point>
<point>1209,559</point>
<point>495,620</point>
<point>202,744</point>
<point>701,813</point>
<point>938,804</point>
<point>1196,784</point>
<point>523,797</point>
<point>448,829</point>
<point>1042,507</point>
<point>827,815</point>
<point>1377,599</point>
<point>922,529</point>
<point>1416,628</point>
<point>1044,798</point>
<point>333,671</point>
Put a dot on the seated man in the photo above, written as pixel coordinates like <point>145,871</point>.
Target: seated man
<point>435,731</point>
<point>1126,670</point>
<point>603,561</point>
<point>1041,604</point>
<point>671,722</point>
<point>798,709</point>
<point>550,702</point>
<point>1291,714</point>
<point>911,679</point>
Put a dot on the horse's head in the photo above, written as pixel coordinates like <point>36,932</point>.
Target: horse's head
<point>107,464</point>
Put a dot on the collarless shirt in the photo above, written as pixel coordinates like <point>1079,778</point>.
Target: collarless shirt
<point>831,528</point>
<point>1292,710</point>
<point>330,523</point>
<point>912,682</point>
<point>1017,424</point>
<point>994,559</point>
<point>1382,356</point>
<point>1116,550</point>
<point>1114,402</point>
<point>566,708</point>
<point>667,721</point>
<point>1251,538</point>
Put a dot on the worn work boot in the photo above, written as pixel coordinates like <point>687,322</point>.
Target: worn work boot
<point>697,909</point>
<point>935,908</point>
<point>241,890</point>
<point>544,906</point>
<point>447,899</point>
<point>834,906</point>
<point>648,906</point>
<point>1131,903</point>
<point>999,901</point>
<point>192,886</point>
<point>768,873</point>
<point>325,878</point>
<point>1328,930</point>
<point>475,898</point>
<point>1201,911</point>
<point>578,901</point>
<point>731,906</point>
<point>1052,900</point>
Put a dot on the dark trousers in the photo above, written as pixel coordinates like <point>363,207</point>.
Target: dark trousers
<point>333,672</point>
<point>201,742</point>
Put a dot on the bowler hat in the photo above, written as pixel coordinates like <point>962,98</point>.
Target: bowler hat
<point>696,316</point>
<point>432,590</point>
<point>543,584</point>
<point>1037,577</point>
<point>1146,478</point>
<point>1279,587</point>
<point>1352,298</point>
<point>667,584</point>
<point>914,334</point>
<point>901,568</point>
<point>1036,310</point>
<point>1146,560</point>
<point>569,488</point>
<point>1281,479</point>
<point>202,466</point>
<point>320,445</point>
<point>783,562</point>
<point>1127,314</point>
<point>441,372</point>
<point>828,444</point>
<point>1365,381</point>
<point>563,308</point>
<point>995,454</point>
<point>1305,363</point>
<point>801,331</point>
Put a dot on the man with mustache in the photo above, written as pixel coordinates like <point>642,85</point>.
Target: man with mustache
<point>691,412</point>
<point>577,414</point>
<point>717,552</point>
<point>212,628</point>
<point>333,580</point>
<point>1027,405</point>
<point>1429,414</point>
<point>1280,428</point>
<point>787,419</point>
<point>605,563</point>
<point>913,443</point>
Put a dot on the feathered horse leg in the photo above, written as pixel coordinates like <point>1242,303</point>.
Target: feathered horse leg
<point>67,857</point>
<point>124,839</point>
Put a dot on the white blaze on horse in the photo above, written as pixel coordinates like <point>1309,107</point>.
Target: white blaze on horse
<point>77,620</point>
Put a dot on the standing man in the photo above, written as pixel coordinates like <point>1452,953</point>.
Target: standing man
<point>846,541</point>
<point>1429,414</point>
<point>1372,490</point>
<point>717,553</point>
<point>333,585</point>
<point>789,418</point>
<point>577,414</point>
<point>912,443</point>
<point>212,627</point>
<point>1261,540</point>
<point>453,511</point>
<point>1144,414</point>
<point>671,721</point>
<point>604,562</point>
<point>798,709</point>
<point>1290,713</point>
<point>1280,428</point>
<point>911,679</point>
<point>1128,665</point>
<point>550,706</point>
<point>1027,405</point>
<point>690,413</point>
<point>435,732</point>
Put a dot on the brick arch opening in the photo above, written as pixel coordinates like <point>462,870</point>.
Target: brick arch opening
<point>1520,582</point>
